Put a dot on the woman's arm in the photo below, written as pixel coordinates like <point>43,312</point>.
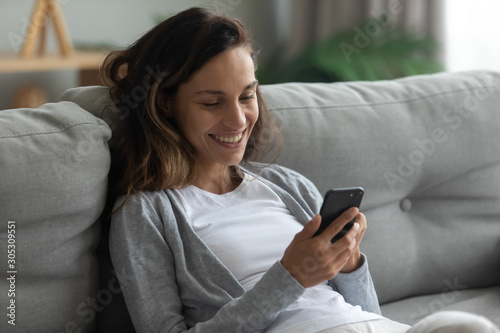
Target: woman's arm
<point>146,269</point>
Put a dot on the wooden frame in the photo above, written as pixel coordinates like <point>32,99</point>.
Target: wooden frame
<point>42,12</point>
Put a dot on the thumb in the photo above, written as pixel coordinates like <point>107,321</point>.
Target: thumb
<point>309,229</point>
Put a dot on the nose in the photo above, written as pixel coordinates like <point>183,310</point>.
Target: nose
<point>234,116</point>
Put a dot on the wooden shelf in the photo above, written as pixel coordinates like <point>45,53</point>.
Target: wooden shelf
<point>13,63</point>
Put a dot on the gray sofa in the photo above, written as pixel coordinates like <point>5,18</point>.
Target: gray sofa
<point>426,149</point>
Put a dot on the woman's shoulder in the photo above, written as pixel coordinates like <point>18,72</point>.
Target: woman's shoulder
<point>139,199</point>
<point>154,205</point>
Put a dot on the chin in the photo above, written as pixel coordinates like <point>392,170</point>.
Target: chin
<point>234,162</point>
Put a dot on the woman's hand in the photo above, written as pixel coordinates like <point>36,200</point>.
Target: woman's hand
<point>313,260</point>
<point>355,260</point>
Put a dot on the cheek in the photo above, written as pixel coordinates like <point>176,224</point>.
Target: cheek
<point>185,128</point>
<point>187,120</point>
<point>192,129</point>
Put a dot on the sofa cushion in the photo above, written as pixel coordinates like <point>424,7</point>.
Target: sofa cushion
<point>96,100</point>
<point>54,162</point>
<point>426,150</point>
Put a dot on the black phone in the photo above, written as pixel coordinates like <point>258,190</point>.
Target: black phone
<point>336,202</point>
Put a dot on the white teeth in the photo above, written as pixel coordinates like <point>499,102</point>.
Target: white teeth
<point>229,139</point>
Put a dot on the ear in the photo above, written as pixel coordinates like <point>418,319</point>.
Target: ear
<point>165,103</point>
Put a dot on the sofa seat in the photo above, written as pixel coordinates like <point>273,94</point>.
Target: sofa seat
<point>484,301</point>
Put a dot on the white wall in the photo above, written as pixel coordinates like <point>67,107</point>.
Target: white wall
<point>116,22</point>
<point>471,36</point>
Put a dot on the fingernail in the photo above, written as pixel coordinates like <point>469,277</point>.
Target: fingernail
<point>356,225</point>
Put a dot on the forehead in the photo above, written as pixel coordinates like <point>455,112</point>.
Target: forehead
<point>232,69</point>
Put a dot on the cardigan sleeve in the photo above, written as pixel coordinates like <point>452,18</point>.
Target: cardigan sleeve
<point>357,288</point>
<point>146,269</point>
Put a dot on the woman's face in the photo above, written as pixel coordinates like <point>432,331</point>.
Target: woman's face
<point>217,108</point>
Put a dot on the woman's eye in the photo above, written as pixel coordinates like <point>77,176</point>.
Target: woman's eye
<point>210,105</point>
<point>248,98</point>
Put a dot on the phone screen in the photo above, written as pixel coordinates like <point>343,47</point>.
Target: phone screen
<point>336,202</point>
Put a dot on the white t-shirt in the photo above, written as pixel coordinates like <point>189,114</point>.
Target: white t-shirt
<point>249,229</point>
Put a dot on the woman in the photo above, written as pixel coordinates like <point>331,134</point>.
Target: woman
<point>200,242</point>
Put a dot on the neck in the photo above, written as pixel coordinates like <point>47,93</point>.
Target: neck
<point>218,182</point>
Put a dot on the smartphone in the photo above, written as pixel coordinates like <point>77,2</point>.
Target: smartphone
<point>336,202</point>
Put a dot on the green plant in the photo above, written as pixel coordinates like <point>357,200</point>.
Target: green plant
<point>355,55</point>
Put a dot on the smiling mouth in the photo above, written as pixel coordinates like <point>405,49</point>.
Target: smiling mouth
<point>228,139</point>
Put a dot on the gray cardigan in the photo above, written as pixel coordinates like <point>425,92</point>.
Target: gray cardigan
<point>172,282</point>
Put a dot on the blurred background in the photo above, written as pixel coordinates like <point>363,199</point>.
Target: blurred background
<point>300,40</point>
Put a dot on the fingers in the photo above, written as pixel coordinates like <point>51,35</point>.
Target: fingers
<point>336,226</point>
<point>352,241</point>
<point>355,235</point>
<point>349,241</point>
<point>309,229</point>
<point>361,220</point>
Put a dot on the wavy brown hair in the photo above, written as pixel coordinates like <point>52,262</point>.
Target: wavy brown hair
<point>154,155</point>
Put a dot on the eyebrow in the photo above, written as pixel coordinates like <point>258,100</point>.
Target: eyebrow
<point>219,92</point>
